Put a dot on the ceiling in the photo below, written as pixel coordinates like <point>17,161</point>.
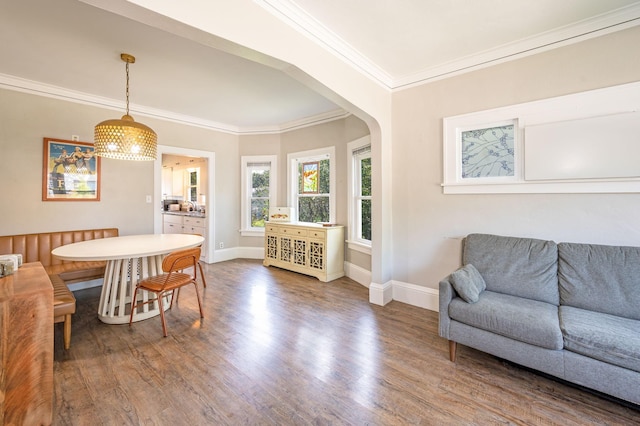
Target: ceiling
<point>70,49</point>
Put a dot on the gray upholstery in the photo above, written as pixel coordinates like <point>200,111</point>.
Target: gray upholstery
<point>521,319</point>
<point>468,283</point>
<point>608,338</point>
<point>522,267</point>
<point>600,278</point>
<point>569,310</point>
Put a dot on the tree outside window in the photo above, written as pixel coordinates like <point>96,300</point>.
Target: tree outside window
<point>259,195</point>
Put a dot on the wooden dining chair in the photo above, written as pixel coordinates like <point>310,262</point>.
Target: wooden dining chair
<point>172,279</point>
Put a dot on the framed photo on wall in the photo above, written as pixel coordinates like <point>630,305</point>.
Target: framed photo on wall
<point>70,171</point>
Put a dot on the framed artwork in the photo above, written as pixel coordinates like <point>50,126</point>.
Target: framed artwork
<point>488,152</point>
<point>310,177</point>
<point>70,171</point>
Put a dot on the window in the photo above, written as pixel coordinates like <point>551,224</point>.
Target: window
<point>258,192</point>
<point>359,172</point>
<point>312,185</point>
<point>193,182</point>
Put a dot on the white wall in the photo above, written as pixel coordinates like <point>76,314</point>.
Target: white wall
<point>427,225</point>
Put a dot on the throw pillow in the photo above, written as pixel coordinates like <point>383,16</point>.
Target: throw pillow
<point>468,283</point>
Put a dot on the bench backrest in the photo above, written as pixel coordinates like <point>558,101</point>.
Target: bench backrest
<point>37,247</point>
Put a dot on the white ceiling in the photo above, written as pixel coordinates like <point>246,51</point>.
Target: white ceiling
<point>71,49</point>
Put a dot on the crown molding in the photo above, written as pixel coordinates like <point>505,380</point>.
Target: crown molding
<point>10,82</point>
<point>600,25</point>
<point>606,23</point>
<point>299,19</point>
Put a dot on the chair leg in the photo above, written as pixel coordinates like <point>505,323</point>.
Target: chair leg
<point>133,305</point>
<point>195,284</point>
<point>164,324</point>
<point>67,331</point>
<point>452,350</point>
<point>204,282</point>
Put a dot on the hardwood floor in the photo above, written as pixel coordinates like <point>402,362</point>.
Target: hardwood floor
<point>281,348</point>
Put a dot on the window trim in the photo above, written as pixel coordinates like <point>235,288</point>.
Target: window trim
<point>354,242</point>
<point>293,159</point>
<point>246,230</point>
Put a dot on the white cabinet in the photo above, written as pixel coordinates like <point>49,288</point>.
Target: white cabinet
<point>181,224</point>
<point>307,248</point>
<point>172,224</point>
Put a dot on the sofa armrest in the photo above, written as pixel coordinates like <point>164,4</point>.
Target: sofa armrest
<point>445,295</point>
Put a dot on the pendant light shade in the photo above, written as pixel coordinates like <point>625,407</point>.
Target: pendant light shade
<point>125,139</point>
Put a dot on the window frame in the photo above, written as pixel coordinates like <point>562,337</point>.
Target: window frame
<point>354,242</point>
<point>296,158</point>
<point>246,229</point>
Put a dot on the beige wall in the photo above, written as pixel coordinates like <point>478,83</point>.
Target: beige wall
<point>26,119</point>
<point>427,225</point>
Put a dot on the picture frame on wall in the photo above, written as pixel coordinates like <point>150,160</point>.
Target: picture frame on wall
<point>70,171</point>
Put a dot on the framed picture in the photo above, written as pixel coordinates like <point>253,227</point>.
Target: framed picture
<point>488,152</point>
<point>310,177</point>
<point>70,171</point>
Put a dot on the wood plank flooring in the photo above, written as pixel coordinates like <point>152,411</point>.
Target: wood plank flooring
<point>279,348</point>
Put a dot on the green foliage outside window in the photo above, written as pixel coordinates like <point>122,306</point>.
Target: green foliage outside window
<point>365,179</point>
<point>259,198</point>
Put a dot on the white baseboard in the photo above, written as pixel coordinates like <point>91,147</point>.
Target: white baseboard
<point>411,294</point>
<point>358,274</point>
<point>85,284</point>
<point>238,253</point>
<point>380,294</point>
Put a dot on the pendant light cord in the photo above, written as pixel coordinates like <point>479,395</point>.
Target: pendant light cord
<point>127,91</point>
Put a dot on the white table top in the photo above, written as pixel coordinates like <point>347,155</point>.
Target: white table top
<point>129,246</point>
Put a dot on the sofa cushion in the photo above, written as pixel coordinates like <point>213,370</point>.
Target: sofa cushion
<point>604,337</point>
<point>600,278</point>
<point>522,267</point>
<point>526,320</point>
<point>468,283</point>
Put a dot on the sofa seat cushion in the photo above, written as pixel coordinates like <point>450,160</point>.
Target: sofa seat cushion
<point>78,271</point>
<point>525,320</point>
<point>608,338</point>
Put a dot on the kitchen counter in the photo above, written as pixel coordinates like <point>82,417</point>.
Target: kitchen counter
<point>181,213</point>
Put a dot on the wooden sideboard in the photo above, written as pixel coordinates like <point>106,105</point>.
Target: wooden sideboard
<point>307,248</point>
<point>26,347</point>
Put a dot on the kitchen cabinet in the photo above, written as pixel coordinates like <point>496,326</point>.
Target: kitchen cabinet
<point>307,248</point>
<point>183,224</point>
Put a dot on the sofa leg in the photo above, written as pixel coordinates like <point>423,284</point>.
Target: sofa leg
<point>452,350</point>
<point>67,331</point>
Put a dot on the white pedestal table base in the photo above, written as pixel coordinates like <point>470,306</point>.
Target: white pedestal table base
<point>120,279</point>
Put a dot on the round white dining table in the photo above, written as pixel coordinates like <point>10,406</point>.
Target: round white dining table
<point>130,259</point>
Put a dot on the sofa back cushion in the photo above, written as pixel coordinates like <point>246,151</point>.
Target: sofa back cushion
<point>600,278</point>
<point>523,267</point>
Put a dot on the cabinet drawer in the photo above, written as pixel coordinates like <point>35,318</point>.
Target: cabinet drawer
<point>194,221</point>
<point>198,230</point>
<point>317,234</point>
<point>294,231</point>
<point>169,218</point>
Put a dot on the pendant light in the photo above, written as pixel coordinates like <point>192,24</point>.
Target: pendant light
<point>125,139</point>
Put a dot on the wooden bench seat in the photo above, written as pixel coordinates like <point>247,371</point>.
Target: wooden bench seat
<point>37,248</point>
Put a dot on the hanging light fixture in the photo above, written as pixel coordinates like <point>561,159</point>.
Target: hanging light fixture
<point>125,139</point>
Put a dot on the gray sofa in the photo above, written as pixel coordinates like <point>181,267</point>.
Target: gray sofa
<point>569,310</point>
